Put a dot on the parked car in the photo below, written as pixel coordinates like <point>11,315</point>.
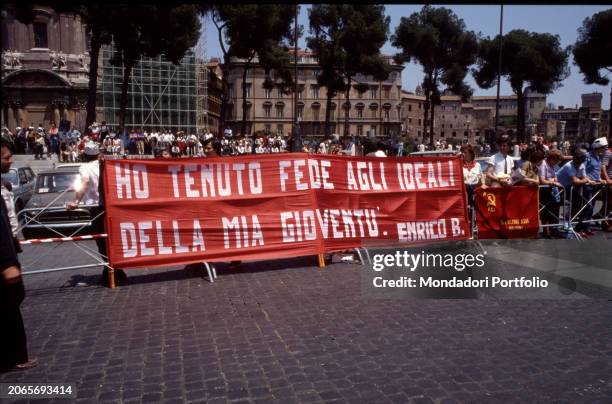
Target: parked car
<point>54,188</point>
<point>22,179</point>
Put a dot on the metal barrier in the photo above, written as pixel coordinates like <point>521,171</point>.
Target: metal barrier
<point>583,210</point>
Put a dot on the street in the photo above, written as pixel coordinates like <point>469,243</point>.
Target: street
<point>287,331</point>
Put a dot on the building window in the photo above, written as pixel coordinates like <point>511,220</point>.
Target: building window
<point>454,134</point>
<point>40,35</point>
<point>247,86</point>
<point>280,92</point>
<point>465,134</point>
<point>315,129</point>
<point>451,126</point>
<point>419,121</point>
<point>409,108</point>
<point>374,92</point>
<point>315,92</point>
<point>387,115</point>
<point>230,90</point>
<point>332,115</point>
<point>279,112</point>
<point>386,92</point>
<point>315,114</point>
<point>442,134</point>
<point>279,128</point>
<point>300,111</point>
<point>373,130</point>
<point>268,93</point>
<point>359,130</point>
<point>268,128</point>
<point>359,112</point>
<point>409,120</point>
<point>268,111</point>
<point>300,93</point>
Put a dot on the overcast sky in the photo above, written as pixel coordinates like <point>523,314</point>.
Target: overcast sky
<point>559,20</point>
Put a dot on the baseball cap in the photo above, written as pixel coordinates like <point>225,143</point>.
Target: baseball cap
<point>600,142</point>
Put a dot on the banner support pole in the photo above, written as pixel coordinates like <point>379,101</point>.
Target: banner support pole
<point>321,261</point>
<point>111,278</point>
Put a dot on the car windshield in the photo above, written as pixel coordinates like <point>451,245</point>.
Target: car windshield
<point>11,177</point>
<point>57,182</point>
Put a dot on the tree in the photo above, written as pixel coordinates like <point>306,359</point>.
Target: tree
<point>438,40</point>
<point>250,31</point>
<point>346,41</point>
<point>169,30</point>
<point>593,50</point>
<point>537,61</point>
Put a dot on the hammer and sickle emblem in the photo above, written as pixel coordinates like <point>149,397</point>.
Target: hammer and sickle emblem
<point>491,202</point>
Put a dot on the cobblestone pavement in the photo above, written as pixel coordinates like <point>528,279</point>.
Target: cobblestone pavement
<point>286,331</point>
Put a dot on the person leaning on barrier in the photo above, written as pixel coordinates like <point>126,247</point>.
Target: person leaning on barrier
<point>593,166</point>
<point>500,165</point>
<point>91,191</point>
<point>527,172</point>
<point>572,175</point>
<point>13,342</point>
<point>606,175</point>
<point>472,171</point>
<point>550,196</point>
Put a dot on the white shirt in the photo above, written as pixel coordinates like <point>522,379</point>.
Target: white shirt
<point>90,171</point>
<point>10,206</point>
<point>377,153</point>
<point>500,164</point>
<point>472,176</point>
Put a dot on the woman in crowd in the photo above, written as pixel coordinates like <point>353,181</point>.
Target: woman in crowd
<point>527,172</point>
<point>212,147</point>
<point>472,171</point>
<point>550,197</point>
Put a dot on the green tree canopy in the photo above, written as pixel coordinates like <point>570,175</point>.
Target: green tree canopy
<point>438,40</point>
<point>346,40</point>
<point>593,49</point>
<point>531,60</point>
<point>250,31</point>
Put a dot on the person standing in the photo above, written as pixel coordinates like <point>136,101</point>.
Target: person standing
<point>500,165</point>
<point>14,343</point>
<point>91,192</point>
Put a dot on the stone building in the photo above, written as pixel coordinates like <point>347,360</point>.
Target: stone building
<point>535,104</point>
<point>586,122</point>
<point>45,67</point>
<point>375,111</point>
<point>412,115</point>
<point>215,92</point>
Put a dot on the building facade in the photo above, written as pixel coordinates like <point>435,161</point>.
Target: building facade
<point>45,69</point>
<point>412,111</point>
<point>375,111</point>
<point>161,95</point>
<point>586,122</point>
<point>215,92</point>
<point>535,104</point>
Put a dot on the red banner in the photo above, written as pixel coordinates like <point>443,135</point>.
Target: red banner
<point>180,211</point>
<point>507,212</point>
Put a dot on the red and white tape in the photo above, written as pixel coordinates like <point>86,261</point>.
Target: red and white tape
<point>62,239</point>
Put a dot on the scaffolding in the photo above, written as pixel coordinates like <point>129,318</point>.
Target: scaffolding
<point>161,95</point>
<point>201,82</point>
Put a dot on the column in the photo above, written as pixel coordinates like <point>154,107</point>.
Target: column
<point>21,115</point>
<point>56,112</point>
<point>10,117</point>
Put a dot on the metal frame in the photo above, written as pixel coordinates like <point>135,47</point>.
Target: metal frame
<point>607,215</point>
<point>155,102</point>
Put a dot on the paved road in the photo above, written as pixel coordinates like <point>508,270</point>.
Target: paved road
<point>285,331</point>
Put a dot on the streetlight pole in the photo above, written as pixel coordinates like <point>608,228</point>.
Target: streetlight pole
<point>499,67</point>
<point>296,140</point>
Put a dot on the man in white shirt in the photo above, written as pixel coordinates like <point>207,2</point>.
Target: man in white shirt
<point>500,165</point>
<point>349,146</point>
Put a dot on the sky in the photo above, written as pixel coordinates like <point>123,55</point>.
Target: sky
<point>562,20</point>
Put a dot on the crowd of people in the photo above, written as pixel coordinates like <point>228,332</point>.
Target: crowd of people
<point>579,176</point>
<point>578,170</point>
